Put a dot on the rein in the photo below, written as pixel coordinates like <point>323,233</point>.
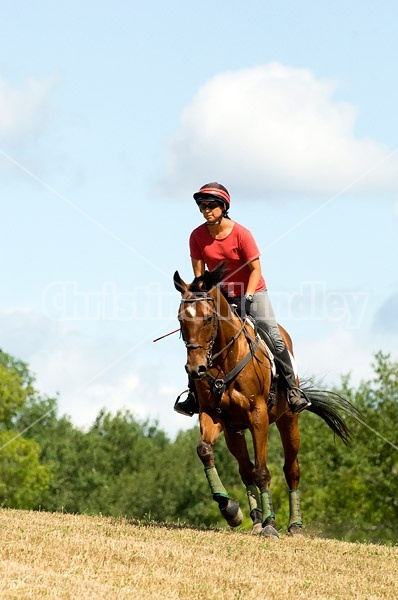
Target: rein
<point>230,343</point>
<point>219,385</point>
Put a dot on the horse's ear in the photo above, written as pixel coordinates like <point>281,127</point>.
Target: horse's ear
<point>211,278</point>
<point>219,271</point>
<point>208,281</point>
<point>179,284</point>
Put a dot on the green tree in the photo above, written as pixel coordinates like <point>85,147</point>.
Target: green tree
<point>23,480</point>
<point>111,469</point>
<point>15,388</point>
<point>121,466</point>
<point>351,492</point>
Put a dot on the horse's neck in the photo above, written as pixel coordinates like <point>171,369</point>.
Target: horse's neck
<point>229,324</point>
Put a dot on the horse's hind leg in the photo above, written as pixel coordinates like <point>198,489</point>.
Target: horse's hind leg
<point>229,508</point>
<point>290,436</point>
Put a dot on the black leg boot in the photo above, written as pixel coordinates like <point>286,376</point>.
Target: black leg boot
<point>189,406</point>
<point>296,398</point>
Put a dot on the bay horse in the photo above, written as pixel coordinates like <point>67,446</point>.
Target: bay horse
<point>233,376</point>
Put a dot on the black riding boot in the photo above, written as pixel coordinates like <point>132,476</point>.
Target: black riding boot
<point>296,398</point>
<point>189,406</point>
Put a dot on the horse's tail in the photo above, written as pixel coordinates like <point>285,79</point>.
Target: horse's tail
<point>331,407</point>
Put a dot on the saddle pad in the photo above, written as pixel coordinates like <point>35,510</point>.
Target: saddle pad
<point>266,349</point>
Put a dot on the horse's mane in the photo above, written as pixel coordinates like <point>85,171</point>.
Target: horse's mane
<point>205,282</point>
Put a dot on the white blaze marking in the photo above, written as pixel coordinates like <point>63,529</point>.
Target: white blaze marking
<point>191,310</point>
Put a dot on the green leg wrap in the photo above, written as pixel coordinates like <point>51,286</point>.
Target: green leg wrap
<point>294,508</point>
<point>217,488</point>
<point>253,497</point>
<point>266,504</point>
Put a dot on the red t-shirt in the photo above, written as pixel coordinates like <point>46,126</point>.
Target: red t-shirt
<point>237,250</point>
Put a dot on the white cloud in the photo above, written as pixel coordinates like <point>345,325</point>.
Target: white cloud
<point>24,111</point>
<point>273,130</point>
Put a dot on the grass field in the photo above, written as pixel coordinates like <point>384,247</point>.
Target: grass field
<point>65,556</point>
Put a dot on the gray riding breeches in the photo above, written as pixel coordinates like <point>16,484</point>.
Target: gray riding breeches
<point>262,312</point>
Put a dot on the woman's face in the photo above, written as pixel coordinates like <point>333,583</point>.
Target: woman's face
<point>211,210</point>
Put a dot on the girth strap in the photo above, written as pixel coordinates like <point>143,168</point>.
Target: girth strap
<point>219,385</point>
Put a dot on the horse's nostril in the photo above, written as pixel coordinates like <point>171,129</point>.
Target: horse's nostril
<point>202,369</point>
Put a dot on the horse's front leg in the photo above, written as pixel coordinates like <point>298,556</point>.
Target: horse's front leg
<point>210,432</point>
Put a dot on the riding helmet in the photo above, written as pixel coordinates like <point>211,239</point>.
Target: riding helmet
<point>214,190</point>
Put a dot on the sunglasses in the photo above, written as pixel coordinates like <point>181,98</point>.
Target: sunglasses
<point>212,204</point>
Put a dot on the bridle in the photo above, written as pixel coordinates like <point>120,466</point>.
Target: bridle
<point>199,297</point>
<point>218,385</point>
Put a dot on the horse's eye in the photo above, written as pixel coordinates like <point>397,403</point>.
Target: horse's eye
<point>207,319</point>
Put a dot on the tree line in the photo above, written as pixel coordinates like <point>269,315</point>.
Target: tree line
<point>121,466</point>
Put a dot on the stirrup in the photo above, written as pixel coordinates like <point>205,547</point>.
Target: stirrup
<point>297,400</point>
<point>187,407</point>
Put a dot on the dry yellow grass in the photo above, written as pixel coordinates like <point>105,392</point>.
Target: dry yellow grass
<point>65,556</point>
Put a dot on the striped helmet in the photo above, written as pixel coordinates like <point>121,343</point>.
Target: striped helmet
<point>215,190</point>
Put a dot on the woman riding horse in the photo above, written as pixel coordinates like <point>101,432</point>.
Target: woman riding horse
<point>220,239</point>
<point>233,375</point>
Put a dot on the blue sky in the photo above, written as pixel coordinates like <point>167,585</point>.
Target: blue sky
<point>113,114</point>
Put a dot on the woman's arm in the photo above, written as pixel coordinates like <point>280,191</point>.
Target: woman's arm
<point>255,276</point>
<point>198,267</point>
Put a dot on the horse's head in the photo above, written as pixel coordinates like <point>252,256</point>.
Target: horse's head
<point>198,317</point>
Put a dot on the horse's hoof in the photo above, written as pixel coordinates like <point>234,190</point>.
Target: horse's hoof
<point>232,513</point>
<point>295,529</point>
<point>236,521</point>
<point>257,529</point>
<point>269,531</point>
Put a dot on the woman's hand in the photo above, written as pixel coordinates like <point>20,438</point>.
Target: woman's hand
<point>246,303</point>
